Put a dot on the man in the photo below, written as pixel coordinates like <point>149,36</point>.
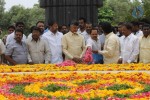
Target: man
<point>94,43</point>
<point>10,37</point>
<point>39,24</point>
<point>11,29</point>
<point>54,38</point>
<point>64,29</point>
<point>73,44</point>
<point>16,52</point>
<point>111,46</point>
<point>86,33</point>
<point>136,29</point>
<point>82,22</point>
<point>2,51</point>
<point>129,45</point>
<point>119,33</point>
<point>145,45</point>
<point>38,50</point>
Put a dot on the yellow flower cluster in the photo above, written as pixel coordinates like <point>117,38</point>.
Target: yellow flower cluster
<point>93,92</point>
<point>78,67</point>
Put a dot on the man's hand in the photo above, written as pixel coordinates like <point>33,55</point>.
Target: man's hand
<point>94,51</point>
<point>31,63</point>
<point>120,61</point>
<point>77,60</point>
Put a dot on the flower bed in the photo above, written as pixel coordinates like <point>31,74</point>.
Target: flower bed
<point>75,86</point>
<point>79,67</point>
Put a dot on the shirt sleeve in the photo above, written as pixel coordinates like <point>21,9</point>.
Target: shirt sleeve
<point>109,48</point>
<point>83,48</point>
<point>47,53</point>
<point>29,56</point>
<point>64,47</point>
<point>9,50</point>
<point>89,43</point>
<point>2,47</point>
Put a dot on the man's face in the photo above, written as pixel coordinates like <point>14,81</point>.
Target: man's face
<point>41,26</point>
<point>10,30</point>
<point>146,31</point>
<point>94,34</point>
<point>125,31</point>
<point>135,28</point>
<point>18,36</point>
<point>73,28</point>
<point>20,26</point>
<point>88,28</point>
<point>64,29</point>
<point>54,28</point>
<point>35,34</point>
<point>81,24</point>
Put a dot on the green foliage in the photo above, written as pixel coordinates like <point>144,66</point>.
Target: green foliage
<point>54,88</point>
<point>146,7</point>
<point>146,89</point>
<point>115,11</point>
<point>87,82</point>
<point>19,89</point>
<point>122,95</point>
<point>119,87</point>
<point>20,13</point>
<point>96,98</point>
<point>105,14</point>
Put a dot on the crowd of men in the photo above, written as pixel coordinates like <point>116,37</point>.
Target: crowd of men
<point>129,42</point>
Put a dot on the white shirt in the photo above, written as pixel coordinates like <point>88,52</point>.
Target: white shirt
<point>54,42</point>
<point>95,45</point>
<point>85,35</point>
<point>139,33</point>
<point>2,47</point>
<point>129,48</point>
<point>102,39</point>
<point>10,38</point>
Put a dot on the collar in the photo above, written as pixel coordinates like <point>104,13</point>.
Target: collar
<point>37,40</point>
<point>108,35</point>
<point>129,36</point>
<point>74,33</point>
<point>146,37</point>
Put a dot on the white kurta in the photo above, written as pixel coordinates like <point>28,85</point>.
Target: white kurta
<point>54,42</point>
<point>129,48</point>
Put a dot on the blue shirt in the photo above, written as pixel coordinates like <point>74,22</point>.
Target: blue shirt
<point>18,52</point>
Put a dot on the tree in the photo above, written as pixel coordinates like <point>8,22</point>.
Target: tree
<point>2,4</point>
<point>116,11</point>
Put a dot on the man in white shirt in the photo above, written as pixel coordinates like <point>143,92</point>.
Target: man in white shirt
<point>111,46</point>
<point>86,33</point>
<point>82,23</point>
<point>38,49</point>
<point>129,45</point>
<point>39,24</point>
<point>136,29</point>
<point>2,51</point>
<point>53,37</point>
<point>11,37</point>
<point>145,45</point>
<point>94,43</point>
